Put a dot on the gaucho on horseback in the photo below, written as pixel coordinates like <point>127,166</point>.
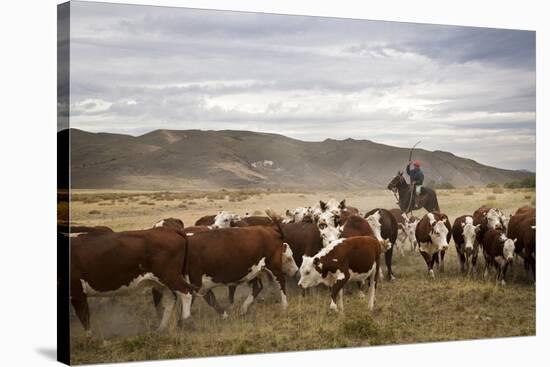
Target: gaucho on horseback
<point>414,196</point>
<point>416,175</point>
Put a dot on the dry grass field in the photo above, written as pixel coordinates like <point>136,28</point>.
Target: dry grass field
<point>411,309</point>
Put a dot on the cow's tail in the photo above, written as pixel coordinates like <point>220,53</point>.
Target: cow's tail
<point>276,218</point>
<point>435,203</point>
<point>184,270</point>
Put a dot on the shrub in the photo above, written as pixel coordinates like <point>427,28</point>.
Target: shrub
<point>498,190</point>
<point>492,185</point>
<point>145,203</point>
<point>468,193</point>
<point>440,185</point>
<point>94,212</point>
<point>528,182</point>
<point>527,197</point>
<point>491,197</point>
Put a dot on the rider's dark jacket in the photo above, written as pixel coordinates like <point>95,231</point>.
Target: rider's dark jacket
<point>416,175</point>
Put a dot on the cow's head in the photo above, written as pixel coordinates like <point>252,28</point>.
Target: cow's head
<point>224,220</point>
<point>310,272</point>
<point>438,232</point>
<point>508,248</point>
<point>327,219</point>
<point>493,218</point>
<point>289,265</point>
<point>469,233</point>
<point>329,234</point>
<point>332,206</point>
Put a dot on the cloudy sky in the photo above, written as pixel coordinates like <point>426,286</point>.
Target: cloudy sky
<point>470,91</point>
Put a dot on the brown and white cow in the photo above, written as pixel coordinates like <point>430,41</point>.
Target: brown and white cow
<point>467,246</point>
<point>526,209</point>
<point>522,229</point>
<point>119,263</point>
<point>385,229</point>
<point>433,233</point>
<point>490,218</point>
<point>74,231</point>
<point>498,251</point>
<point>206,220</point>
<point>173,223</point>
<point>347,259</point>
<point>226,220</point>
<point>232,256</point>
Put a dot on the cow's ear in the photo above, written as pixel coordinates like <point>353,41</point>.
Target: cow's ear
<point>288,212</point>
<point>323,205</point>
<point>400,173</point>
<point>285,246</point>
<point>342,204</point>
<point>515,240</point>
<point>463,224</point>
<point>477,228</point>
<point>316,261</point>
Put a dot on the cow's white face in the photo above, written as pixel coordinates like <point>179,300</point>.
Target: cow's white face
<point>330,234</point>
<point>333,206</point>
<point>224,220</point>
<point>438,235</point>
<point>493,219</point>
<point>289,265</point>
<point>309,275</point>
<point>508,249</point>
<point>469,232</point>
<point>326,219</point>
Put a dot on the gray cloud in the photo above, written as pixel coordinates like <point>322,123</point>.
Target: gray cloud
<point>138,68</point>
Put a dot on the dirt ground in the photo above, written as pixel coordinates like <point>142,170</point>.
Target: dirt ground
<point>411,309</point>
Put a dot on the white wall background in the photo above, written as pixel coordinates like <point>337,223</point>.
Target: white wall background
<point>28,181</point>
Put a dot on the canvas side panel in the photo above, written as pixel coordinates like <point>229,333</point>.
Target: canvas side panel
<point>63,181</point>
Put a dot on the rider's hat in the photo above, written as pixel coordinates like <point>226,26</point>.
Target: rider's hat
<point>416,163</point>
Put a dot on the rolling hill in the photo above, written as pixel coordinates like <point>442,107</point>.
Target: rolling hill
<point>197,159</point>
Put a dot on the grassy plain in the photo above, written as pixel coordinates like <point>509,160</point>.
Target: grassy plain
<point>411,309</point>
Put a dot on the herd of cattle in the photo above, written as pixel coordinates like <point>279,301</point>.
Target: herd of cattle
<point>330,243</point>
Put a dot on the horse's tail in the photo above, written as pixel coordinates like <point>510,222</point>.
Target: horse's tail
<point>435,202</point>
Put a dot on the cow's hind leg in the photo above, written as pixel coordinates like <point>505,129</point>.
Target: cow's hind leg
<point>280,280</point>
<point>372,287</point>
<point>168,302</point>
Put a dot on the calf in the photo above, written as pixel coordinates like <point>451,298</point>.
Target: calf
<point>233,256</point>
<point>349,259</point>
<point>302,214</point>
<point>465,238</point>
<point>433,233</point>
<point>384,227</point>
<point>118,263</point>
<point>498,251</point>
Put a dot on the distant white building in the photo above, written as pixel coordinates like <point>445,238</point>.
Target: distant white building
<point>265,164</point>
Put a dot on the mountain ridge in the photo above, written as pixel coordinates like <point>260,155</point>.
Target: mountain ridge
<point>166,159</point>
